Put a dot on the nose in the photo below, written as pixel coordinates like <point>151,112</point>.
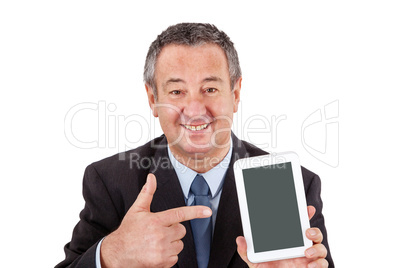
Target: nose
<point>195,107</point>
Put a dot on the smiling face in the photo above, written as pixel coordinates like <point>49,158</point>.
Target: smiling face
<point>195,103</point>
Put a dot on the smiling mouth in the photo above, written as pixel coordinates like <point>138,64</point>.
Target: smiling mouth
<point>196,128</point>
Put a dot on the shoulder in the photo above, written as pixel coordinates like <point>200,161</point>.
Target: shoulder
<point>244,149</point>
<point>253,150</point>
<point>120,177</point>
<point>124,170</point>
<point>128,160</point>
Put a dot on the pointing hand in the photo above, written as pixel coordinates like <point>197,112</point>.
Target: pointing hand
<point>147,239</point>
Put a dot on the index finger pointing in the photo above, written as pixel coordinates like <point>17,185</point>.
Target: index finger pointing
<point>176,215</point>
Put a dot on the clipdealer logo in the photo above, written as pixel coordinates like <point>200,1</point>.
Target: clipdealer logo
<point>319,131</point>
<point>112,129</point>
<point>128,132</point>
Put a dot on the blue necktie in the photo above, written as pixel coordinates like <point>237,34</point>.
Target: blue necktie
<point>202,228</point>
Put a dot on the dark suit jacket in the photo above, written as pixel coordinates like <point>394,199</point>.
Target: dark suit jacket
<point>111,186</point>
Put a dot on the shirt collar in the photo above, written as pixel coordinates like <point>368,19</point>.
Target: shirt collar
<point>214,177</point>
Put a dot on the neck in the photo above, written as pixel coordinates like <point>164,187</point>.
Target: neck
<point>201,162</point>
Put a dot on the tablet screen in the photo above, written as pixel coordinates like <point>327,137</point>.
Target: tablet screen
<point>273,210</point>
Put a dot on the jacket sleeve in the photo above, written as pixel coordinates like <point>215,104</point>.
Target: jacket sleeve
<point>312,185</point>
<point>98,218</point>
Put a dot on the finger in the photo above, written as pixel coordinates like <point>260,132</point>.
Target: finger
<point>178,231</point>
<point>144,199</point>
<point>242,249</point>
<point>320,263</point>
<point>172,260</point>
<point>315,235</point>
<point>311,211</point>
<point>176,247</point>
<point>176,215</point>
<point>316,251</point>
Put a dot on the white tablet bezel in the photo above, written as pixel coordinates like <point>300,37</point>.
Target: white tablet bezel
<point>265,160</point>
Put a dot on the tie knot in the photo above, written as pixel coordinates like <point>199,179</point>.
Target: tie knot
<point>199,187</point>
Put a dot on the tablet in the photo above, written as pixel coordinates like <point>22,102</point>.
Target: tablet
<point>273,206</point>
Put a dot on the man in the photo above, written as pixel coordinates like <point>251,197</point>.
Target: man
<point>143,208</point>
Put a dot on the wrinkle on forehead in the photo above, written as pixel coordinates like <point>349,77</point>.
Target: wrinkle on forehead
<point>181,63</point>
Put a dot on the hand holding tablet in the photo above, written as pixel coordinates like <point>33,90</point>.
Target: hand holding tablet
<point>317,258</point>
<point>274,211</point>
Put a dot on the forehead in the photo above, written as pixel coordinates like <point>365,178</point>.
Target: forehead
<point>191,62</point>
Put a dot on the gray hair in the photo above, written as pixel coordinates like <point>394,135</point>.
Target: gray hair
<point>191,34</point>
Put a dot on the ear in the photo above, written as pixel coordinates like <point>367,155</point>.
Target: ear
<point>236,94</point>
<point>151,99</point>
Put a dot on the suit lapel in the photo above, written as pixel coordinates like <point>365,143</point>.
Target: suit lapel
<point>228,223</point>
<point>170,195</point>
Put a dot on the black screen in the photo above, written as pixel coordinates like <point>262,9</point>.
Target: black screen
<point>272,205</point>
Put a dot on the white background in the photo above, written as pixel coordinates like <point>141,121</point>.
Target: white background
<point>296,58</point>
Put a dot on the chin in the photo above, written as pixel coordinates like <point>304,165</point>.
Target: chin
<point>197,149</point>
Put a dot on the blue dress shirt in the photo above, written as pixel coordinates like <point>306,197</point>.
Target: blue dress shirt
<point>214,177</point>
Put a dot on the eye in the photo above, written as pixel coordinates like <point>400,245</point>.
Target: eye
<point>175,92</point>
<point>211,90</point>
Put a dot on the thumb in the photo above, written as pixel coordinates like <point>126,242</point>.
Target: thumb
<point>144,199</point>
<point>311,211</point>
<point>242,249</point>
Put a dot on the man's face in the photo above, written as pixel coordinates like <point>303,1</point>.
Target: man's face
<point>195,103</point>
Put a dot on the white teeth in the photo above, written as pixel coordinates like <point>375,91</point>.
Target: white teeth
<point>196,128</point>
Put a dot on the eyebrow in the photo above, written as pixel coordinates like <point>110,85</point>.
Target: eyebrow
<point>212,79</point>
<point>173,80</point>
<point>179,80</point>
